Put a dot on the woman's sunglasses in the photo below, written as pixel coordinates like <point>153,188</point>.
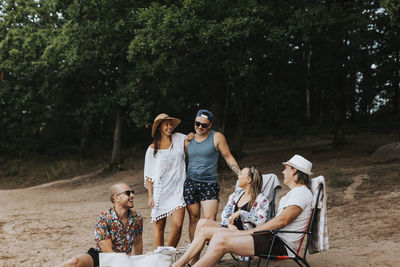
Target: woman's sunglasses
<point>204,125</point>
<point>127,192</point>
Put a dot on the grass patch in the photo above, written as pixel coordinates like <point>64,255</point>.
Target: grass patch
<point>338,179</point>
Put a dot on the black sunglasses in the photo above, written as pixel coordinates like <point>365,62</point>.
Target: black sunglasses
<point>204,125</point>
<point>127,192</point>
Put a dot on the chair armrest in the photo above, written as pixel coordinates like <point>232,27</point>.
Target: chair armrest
<point>291,232</point>
<point>266,231</point>
<point>274,232</point>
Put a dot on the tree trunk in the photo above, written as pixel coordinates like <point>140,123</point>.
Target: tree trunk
<point>116,152</point>
<point>396,85</point>
<point>240,122</point>
<point>226,107</point>
<point>354,84</point>
<point>339,82</point>
<point>339,110</point>
<point>84,137</point>
<point>308,54</point>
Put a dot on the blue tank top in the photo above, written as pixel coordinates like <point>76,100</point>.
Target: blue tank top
<point>203,160</point>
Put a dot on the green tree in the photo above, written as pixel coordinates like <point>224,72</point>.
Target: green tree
<point>26,27</point>
<point>91,53</point>
<point>214,48</point>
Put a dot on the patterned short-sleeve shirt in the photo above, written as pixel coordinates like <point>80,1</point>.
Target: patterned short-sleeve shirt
<point>122,237</point>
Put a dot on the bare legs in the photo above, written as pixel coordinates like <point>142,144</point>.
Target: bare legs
<point>226,241</point>
<point>194,216</point>
<point>159,227</point>
<point>209,208</point>
<point>204,232</point>
<point>83,260</point>
<point>176,229</point>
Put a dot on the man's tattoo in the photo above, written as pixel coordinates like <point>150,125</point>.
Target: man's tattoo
<point>234,168</point>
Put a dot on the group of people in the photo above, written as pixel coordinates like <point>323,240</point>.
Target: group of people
<point>181,172</point>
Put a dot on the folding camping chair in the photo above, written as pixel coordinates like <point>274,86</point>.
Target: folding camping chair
<point>270,188</point>
<point>297,257</point>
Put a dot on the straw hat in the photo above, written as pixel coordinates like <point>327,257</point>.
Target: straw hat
<point>160,118</point>
<point>300,163</point>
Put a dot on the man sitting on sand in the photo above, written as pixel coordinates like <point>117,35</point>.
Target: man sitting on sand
<point>293,215</point>
<point>118,229</point>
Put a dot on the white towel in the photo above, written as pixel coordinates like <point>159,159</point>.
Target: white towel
<point>270,182</point>
<point>319,237</point>
<point>123,260</point>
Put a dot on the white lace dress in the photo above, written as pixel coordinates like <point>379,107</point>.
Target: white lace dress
<point>167,171</point>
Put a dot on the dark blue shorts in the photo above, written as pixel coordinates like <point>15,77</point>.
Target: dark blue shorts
<point>194,191</point>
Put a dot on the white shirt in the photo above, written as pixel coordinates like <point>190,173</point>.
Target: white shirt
<point>167,171</point>
<point>302,197</point>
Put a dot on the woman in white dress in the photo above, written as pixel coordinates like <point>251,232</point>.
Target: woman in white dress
<point>164,176</point>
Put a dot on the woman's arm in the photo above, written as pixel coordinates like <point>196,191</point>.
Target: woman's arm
<point>149,163</point>
<point>149,185</point>
<point>227,212</point>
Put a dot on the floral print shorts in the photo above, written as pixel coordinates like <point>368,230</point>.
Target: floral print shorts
<point>194,191</point>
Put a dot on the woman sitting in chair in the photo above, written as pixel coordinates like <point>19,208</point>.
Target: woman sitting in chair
<point>246,208</point>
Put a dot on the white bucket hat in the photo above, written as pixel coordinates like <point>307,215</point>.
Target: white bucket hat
<point>300,163</point>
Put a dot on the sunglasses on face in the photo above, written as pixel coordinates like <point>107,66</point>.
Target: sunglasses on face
<point>203,125</point>
<point>127,192</point>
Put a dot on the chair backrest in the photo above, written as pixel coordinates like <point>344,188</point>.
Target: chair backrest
<point>317,191</point>
<point>270,188</point>
<point>309,226</point>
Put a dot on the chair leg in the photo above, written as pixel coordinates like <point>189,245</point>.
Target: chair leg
<point>304,261</point>
<point>233,256</point>
<point>266,264</point>
<point>301,262</point>
<point>259,261</point>
<point>298,263</point>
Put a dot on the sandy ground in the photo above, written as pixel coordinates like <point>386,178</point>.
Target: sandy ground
<point>47,224</point>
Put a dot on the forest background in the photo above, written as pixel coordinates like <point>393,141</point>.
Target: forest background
<point>81,81</point>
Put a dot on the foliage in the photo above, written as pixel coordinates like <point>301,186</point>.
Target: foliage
<point>26,28</point>
<point>72,69</point>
